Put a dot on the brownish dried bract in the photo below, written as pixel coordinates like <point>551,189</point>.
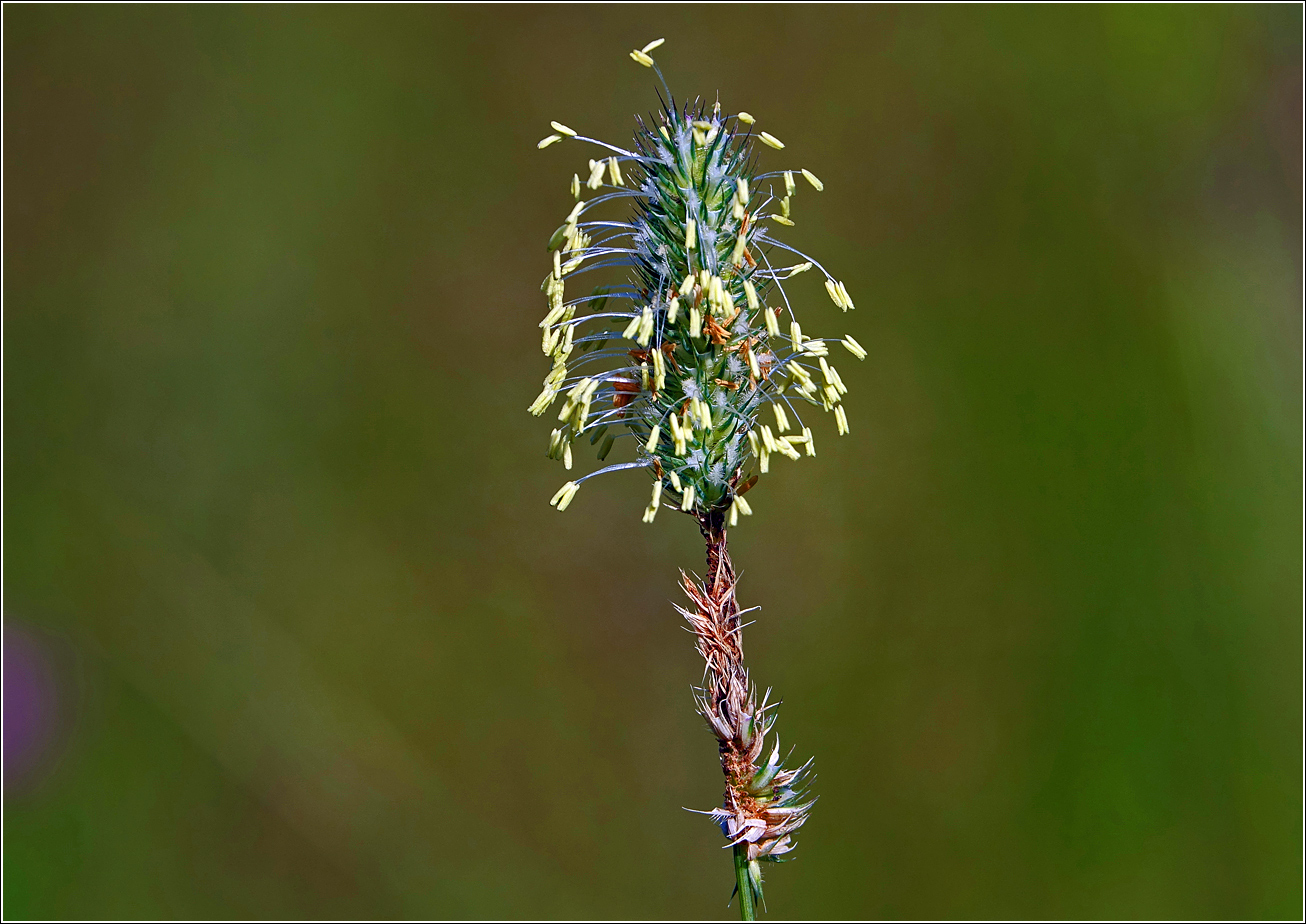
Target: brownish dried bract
<point>715,332</point>
<point>763,802</point>
<point>624,392</point>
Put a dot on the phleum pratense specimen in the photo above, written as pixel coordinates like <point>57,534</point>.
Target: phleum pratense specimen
<point>684,357</point>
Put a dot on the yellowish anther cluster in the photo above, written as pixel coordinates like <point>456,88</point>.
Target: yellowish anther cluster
<point>679,437</point>
<point>641,55</point>
<point>739,507</point>
<point>652,509</point>
<point>771,140</point>
<point>564,495</point>
<point>576,408</point>
<point>839,294</point>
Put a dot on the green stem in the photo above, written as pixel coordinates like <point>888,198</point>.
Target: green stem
<point>746,910</point>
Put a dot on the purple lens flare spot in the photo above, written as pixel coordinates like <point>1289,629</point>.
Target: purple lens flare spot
<point>31,704</point>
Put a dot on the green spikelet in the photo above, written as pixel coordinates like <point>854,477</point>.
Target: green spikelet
<point>702,334</point>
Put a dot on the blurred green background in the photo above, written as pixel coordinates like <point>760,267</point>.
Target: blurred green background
<point>291,629</point>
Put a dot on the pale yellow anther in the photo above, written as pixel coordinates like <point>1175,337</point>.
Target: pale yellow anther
<point>833,290</point>
<point>753,368</point>
<point>784,206</point>
<point>741,246</point>
<point>841,419</point>
<point>687,286</point>
<point>695,323</point>
<point>853,347</point>
<point>767,138</point>
<point>800,268</point>
<point>687,498</point>
<point>741,189</point>
<point>566,456</point>
<point>645,329</point>
<point>675,480</point>
<point>545,142</point>
<point>653,435</point>
<point>796,335</point>
<point>632,328</point>
<point>781,418</point>
<point>772,322</point>
<point>574,214</point>
<point>652,509</point>
<point>614,172</point>
<point>807,438</point>
<point>750,293</point>
<point>651,45</point>
<point>780,219</point>
<point>564,495</point>
<point>553,315</point>
<point>691,234</point>
<point>811,178</point>
<point>745,118</point>
<point>790,187</point>
<point>825,371</point>
<point>542,402</point>
<point>743,507</point>
<point>673,308</point>
<point>640,57</point>
<point>557,265</point>
<point>559,127</point>
<point>847,299</point>
<point>575,186</point>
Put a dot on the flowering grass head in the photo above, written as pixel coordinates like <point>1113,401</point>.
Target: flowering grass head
<point>695,356</point>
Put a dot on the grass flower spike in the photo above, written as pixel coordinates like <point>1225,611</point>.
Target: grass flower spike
<point>679,348</point>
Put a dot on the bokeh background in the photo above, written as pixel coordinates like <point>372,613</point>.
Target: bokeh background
<point>291,630</point>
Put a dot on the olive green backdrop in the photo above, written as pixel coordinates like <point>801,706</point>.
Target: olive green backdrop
<point>276,524</point>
